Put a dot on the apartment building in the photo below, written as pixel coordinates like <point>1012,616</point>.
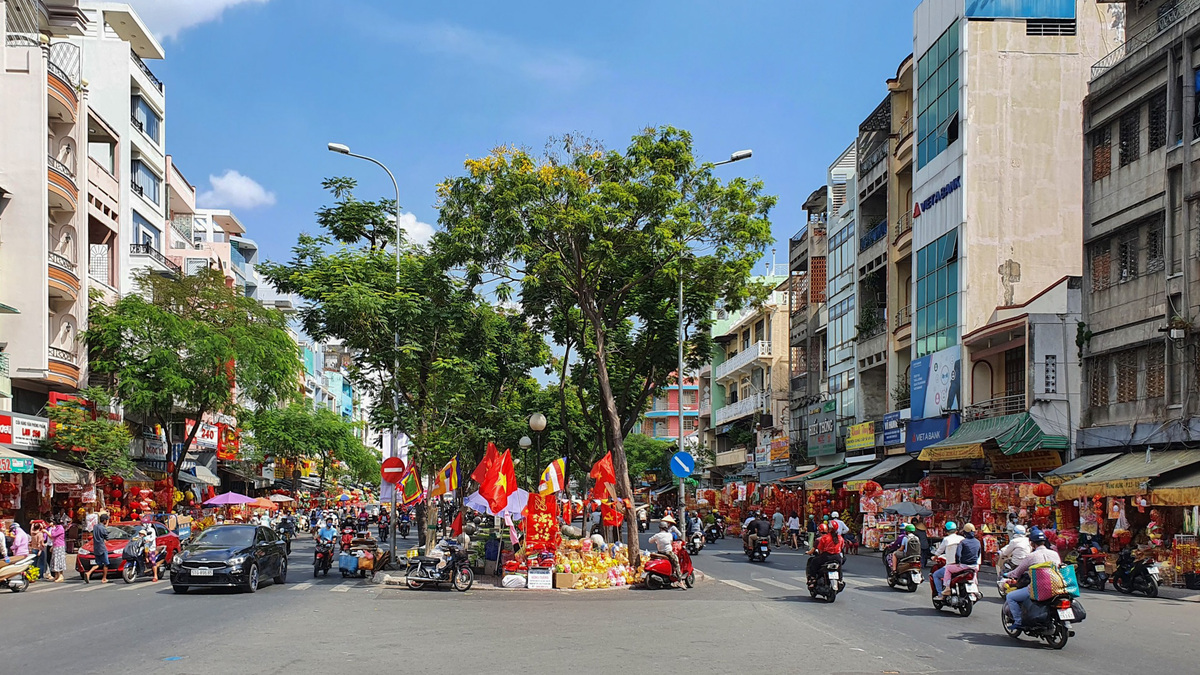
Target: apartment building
<point>840,291</point>
<point>44,202</point>
<point>899,255</point>
<point>1140,292</point>
<point>661,421</point>
<point>808,250</point>
<point>872,179</point>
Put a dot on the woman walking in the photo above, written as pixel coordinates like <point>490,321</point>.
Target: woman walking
<point>37,546</point>
<point>58,549</point>
<point>793,525</point>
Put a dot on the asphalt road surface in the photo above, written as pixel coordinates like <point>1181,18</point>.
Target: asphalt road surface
<point>748,617</point>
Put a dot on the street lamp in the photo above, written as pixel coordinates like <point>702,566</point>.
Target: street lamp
<point>537,422</point>
<point>735,157</point>
<point>525,443</point>
<point>342,149</point>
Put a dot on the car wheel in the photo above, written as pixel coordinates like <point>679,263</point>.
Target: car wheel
<point>282,578</point>
<point>179,589</point>
<point>251,584</point>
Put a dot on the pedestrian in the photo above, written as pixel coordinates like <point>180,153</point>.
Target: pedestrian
<point>20,545</point>
<point>99,550</point>
<point>812,531</point>
<point>793,525</point>
<point>37,546</point>
<point>58,549</point>
<point>150,547</point>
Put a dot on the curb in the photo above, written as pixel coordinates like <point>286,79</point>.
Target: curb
<point>385,579</point>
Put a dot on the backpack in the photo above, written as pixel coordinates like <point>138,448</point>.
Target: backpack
<point>132,550</point>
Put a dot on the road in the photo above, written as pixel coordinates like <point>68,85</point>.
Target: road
<point>747,617</point>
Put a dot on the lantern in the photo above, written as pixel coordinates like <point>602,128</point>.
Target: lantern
<point>1043,489</point>
<point>1043,512</point>
<point>870,488</point>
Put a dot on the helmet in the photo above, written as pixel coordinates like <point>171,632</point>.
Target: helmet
<point>950,526</point>
<point>910,528</point>
<point>969,527</point>
<point>1019,530</point>
<point>834,514</point>
<point>469,529</point>
<point>1036,536</point>
<point>824,528</point>
<point>662,525</point>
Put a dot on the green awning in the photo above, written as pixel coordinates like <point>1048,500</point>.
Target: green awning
<point>816,480</point>
<point>1027,435</point>
<point>1127,475</point>
<point>1012,434</point>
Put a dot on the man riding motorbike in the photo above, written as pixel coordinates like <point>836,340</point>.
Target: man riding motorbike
<point>905,547</point>
<point>758,529</point>
<point>1017,548</point>
<point>966,557</point>
<point>828,549</point>
<point>1016,599</point>
<point>948,549</point>
<point>663,544</point>
<point>842,528</point>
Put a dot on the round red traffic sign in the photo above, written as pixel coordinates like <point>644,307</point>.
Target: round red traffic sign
<point>392,469</point>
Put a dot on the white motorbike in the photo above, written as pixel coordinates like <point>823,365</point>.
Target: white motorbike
<point>12,574</point>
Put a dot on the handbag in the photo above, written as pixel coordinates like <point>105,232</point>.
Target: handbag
<point>1045,582</point>
<point>1070,580</point>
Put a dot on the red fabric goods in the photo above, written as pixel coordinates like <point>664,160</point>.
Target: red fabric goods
<point>499,483</point>
<point>490,457</point>
<point>1043,489</point>
<point>456,526</point>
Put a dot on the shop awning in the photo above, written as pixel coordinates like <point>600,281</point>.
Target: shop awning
<point>1077,467</point>
<point>139,477</point>
<point>1181,491</point>
<point>666,488</point>
<point>887,466</point>
<point>1127,475</point>
<point>64,474</point>
<point>203,476</point>
<point>805,471</point>
<point>1013,434</point>
<point>823,479</point>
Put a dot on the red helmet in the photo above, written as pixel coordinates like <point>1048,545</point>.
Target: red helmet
<point>824,528</point>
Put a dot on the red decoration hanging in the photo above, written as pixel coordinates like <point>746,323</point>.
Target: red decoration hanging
<point>1043,489</point>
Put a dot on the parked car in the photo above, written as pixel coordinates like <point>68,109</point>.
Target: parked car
<point>119,535</point>
<point>234,556</point>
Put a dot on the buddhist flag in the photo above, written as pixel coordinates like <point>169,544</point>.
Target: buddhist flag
<point>410,487</point>
<point>499,483</point>
<point>447,479</point>
<point>489,458</point>
<point>554,477</point>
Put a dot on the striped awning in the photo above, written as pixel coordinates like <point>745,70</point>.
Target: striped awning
<point>1127,475</point>
<point>1011,434</point>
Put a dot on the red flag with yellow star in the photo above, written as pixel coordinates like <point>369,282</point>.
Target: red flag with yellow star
<point>499,482</point>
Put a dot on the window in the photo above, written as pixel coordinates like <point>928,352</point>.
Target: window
<point>689,398</point>
<point>1014,372</point>
<point>1127,259</point>
<point>146,233</point>
<point>145,182</point>
<point>1158,121</point>
<point>1050,27</point>
<point>1130,130</point>
<point>692,423</point>
<point>1051,374</point>
<point>1156,370</point>
<point>146,120</point>
<point>1101,153</point>
<point>105,155</point>
<point>937,295</point>
<point>746,339</point>
<point>759,328</point>
<point>1101,267</point>
<point>937,97</point>
<point>1127,372</point>
<point>1098,381</point>
<point>1154,249</point>
<point>100,263</point>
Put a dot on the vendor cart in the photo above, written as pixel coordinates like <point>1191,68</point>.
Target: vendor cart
<point>364,557</point>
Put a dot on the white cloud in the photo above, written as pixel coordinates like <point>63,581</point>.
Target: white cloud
<point>414,230</point>
<point>232,190</point>
<point>169,18</point>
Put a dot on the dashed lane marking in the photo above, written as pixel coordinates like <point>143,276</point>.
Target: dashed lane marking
<point>301,586</point>
<point>780,584</point>
<point>740,585</point>
<point>343,588</point>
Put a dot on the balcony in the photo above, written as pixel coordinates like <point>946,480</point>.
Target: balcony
<point>62,81</point>
<point>60,179</point>
<point>743,359</point>
<point>903,227</point>
<point>903,317</point>
<point>63,366</point>
<point>1135,49</point>
<point>873,159</point>
<point>62,277</point>
<point>5,381</point>
<point>146,71</point>
<point>872,236</point>
<point>745,407</point>
<point>996,407</point>
<point>147,251</point>
<point>799,383</point>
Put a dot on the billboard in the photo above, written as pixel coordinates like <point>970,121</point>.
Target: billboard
<point>822,429</point>
<point>936,383</point>
<point>1020,9</point>
<point>922,433</point>
<point>861,437</point>
<point>893,429</point>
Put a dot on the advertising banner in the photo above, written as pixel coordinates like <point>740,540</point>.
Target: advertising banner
<point>893,431</point>
<point>206,437</point>
<point>15,465</point>
<point>861,437</point>
<point>822,429</point>
<point>936,381</point>
<point>922,433</point>
<point>780,449</point>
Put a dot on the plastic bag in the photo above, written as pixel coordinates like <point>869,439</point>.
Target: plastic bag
<point>1070,581</point>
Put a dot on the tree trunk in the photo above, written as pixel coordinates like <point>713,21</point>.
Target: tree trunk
<point>187,445</point>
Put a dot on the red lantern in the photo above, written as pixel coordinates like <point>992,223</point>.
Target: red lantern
<point>870,488</point>
<point>1043,489</point>
<point>1043,512</point>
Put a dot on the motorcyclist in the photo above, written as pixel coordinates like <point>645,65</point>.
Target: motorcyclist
<point>663,544</point>
<point>966,557</point>
<point>905,547</point>
<point>842,528</point>
<point>757,530</point>
<point>693,524</point>
<point>1016,549</point>
<point>385,521</point>
<point>669,521</point>
<point>828,549</point>
<point>749,519</point>
<point>1016,599</point>
<point>948,549</point>
<point>327,534</point>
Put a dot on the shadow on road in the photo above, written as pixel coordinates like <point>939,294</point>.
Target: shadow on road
<point>996,640</point>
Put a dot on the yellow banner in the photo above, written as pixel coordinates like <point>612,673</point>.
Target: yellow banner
<point>854,485</point>
<point>861,437</point>
<point>818,485</point>
<point>1036,460</point>
<point>954,452</point>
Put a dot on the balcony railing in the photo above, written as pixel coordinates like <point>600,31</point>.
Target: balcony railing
<point>903,226</point>
<point>872,324</point>
<point>800,382</point>
<point>877,155</point>
<point>996,407</point>
<point>747,406</point>
<point>903,317</point>
<point>3,364</point>
<point>756,350</point>
<point>905,130</point>
<point>873,235</point>
<point>1166,19</point>
<point>149,250</point>
<point>146,70</point>
<point>65,63</point>
<point>60,261</point>
<point>60,167</point>
<point>62,355</point>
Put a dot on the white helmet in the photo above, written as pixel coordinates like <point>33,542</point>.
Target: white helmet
<point>834,514</point>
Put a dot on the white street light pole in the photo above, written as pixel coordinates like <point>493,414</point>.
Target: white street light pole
<point>345,150</point>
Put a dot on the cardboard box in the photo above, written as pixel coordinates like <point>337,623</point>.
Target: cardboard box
<point>565,579</point>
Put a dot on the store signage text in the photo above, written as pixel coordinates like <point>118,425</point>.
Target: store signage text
<point>946,191</point>
<point>22,431</point>
<point>15,465</point>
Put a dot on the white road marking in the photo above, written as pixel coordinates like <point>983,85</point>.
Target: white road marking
<point>738,584</point>
<point>344,587</point>
<point>780,584</point>
<point>46,586</point>
<point>88,588</point>
<point>301,586</point>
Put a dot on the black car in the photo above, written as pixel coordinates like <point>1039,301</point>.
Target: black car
<point>235,556</point>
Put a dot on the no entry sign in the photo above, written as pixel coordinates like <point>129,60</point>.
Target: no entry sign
<point>392,469</point>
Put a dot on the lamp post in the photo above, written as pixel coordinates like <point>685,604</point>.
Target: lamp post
<point>735,157</point>
<point>345,150</point>
<point>537,423</point>
<point>525,443</point>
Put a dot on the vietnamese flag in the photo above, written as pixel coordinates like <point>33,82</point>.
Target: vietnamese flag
<point>499,483</point>
<point>611,516</point>
<point>602,471</point>
<point>456,526</point>
<point>489,458</point>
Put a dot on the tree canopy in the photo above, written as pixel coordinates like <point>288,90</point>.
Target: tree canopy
<point>84,427</point>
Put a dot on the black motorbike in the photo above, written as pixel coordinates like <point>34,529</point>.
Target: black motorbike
<point>1050,620</point>
<point>827,582</point>
<point>457,572</point>
<point>383,531</point>
<point>403,528</point>
<point>323,558</point>
<point>712,533</point>
<point>695,543</point>
<point>760,551</point>
<point>1135,576</point>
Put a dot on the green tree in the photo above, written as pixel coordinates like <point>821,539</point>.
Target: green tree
<point>300,432</point>
<point>85,427</point>
<point>609,234</point>
<point>186,347</point>
<point>647,454</point>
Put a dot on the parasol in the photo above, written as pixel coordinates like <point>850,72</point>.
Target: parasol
<point>908,510</point>
<point>228,499</point>
<point>261,503</point>
<point>516,504</point>
<point>281,499</point>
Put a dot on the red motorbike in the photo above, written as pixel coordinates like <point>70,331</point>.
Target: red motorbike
<point>964,591</point>
<point>658,572</point>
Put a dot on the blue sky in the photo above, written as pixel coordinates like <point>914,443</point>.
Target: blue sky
<point>258,87</point>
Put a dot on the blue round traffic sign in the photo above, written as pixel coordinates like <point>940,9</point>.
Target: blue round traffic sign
<point>683,464</point>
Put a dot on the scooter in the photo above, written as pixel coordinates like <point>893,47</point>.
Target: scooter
<point>712,533</point>
<point>658,573</point>
<point>402,528</point>
<point>906,574</point>
<point>828,582</point>
<point>12,575</point>
<point>323,558</point>
<point>1002,583</point>
<point>695,543</point>
<point>1050,620</point>
<point>138,568</point>
<point>383,531</point>
<point>1135,576</point>
<point>423,570</point>
<point>347,539</point>
<point>760,551</point>
<point>1090,570</point>
<point>964,590</point>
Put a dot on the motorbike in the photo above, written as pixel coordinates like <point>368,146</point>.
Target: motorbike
<point>828,582</point>
<point>712,533</point>
<point>964,590</point>
<point>403,527</point>
<point>695,543</point>
<point>643,521</point>
<point>1090,570</point>
<point>760,551</point>
<point>323,558</point>
<point>12,574</point>
<point>138,568</point>
<point>383,531</point>
<point>907,572</point>
<point>658,573</point>
<point>347,539</point>
<point>1002,584</point>
<point>1050,620</point>
<point>1135,576</point>
<point>423,570</point>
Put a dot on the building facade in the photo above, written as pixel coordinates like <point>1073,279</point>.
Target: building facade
<point>661,421</point>
<point>842,273</point>
<point>808,251</point>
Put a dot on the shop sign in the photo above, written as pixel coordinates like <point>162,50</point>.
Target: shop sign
<point>1021,9</point>
<point>84,493</point>
<point>822,429</point>
<point>947,190</point>
<point>781,449</point>
<point>268,472</point>
<point>15,465</point>
<point>1125,486</point>
<point>155,449</point>
<point>540,578</point>
<point>1026,462</point>
<point>862,436</point>
<point>893,432</point>
<point>951,454</point>
<point>922,433</point>
<point>818,484</point>
<point>762,455</point>
<point>936,382</point>
<point>207,436</point>
<point>23,431</point>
